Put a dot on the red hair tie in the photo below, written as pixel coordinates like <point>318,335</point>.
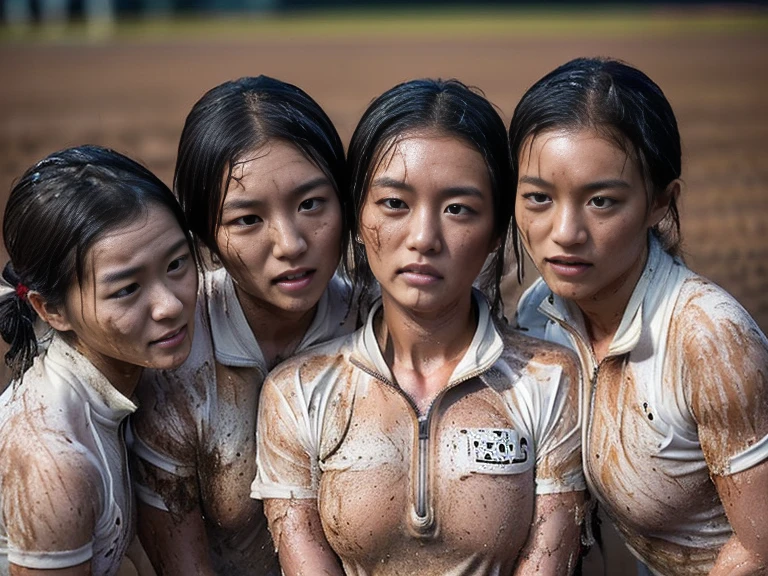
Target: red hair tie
<point>21,291</point>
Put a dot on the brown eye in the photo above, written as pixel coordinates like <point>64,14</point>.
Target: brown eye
<point>311,204</point>
<point>602,202</point>
<point>394,204</point>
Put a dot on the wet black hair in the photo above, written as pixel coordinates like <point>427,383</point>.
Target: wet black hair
<point>620,102</point>
<point>446,107</point>
<point>56,211</point>
<point>236,118</point>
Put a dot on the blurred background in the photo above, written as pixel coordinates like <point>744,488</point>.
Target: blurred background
<point>124,73</point>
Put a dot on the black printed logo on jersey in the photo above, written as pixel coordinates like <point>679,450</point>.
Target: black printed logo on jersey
<point>500,447</point>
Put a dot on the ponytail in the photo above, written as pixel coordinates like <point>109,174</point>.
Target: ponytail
<point>17,323</point>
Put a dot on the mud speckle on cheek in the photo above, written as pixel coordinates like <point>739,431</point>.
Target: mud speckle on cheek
<point>371,239</point>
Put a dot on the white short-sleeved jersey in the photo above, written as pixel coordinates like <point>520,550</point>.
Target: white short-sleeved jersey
<point>195,434</point>
<point>681,395</point>
<point>65,493</point>
<point>448,492</point>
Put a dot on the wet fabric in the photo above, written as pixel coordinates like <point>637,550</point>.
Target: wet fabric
<point>682,394</point>
<point>449,492</point>
<point>196,430</point>
<point>64,460</point>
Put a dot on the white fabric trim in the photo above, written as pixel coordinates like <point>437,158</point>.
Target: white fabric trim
<point>50,560</point>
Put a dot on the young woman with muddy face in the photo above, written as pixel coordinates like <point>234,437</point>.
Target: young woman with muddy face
<point>433,440</point>
<point>260,176</point>
<point>675,438</point>
<point>98,251</point>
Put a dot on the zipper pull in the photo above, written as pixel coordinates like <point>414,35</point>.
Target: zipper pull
<point>594,375</point>
<point>423,428</point>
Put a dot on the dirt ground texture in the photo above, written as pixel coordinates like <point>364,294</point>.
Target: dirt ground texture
<point>134,95</point>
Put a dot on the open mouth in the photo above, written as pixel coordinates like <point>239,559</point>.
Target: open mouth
<point>172,338</point>
<point>567,266</point>
<point>295,280</point>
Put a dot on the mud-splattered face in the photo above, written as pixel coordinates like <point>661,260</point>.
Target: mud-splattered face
<point>427,221</point>
<point>137,303</point>
<point>583,215</point>
<point>280,231</point>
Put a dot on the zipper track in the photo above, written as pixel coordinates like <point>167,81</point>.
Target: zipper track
<point>424,518</point>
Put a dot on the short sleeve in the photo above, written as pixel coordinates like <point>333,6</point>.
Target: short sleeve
<point>546,400</point>
<point>52,496</point>
<point>287,451</point>
<point>723,362</point>
<point>164,440</point>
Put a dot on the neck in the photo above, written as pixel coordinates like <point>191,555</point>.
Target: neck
<point>604,310</point>
<point>123,376</point>
<point>421,342</point>
<point>277,331</point>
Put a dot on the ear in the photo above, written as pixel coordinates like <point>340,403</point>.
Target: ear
<point>661,204</point>
<point>52,315</point>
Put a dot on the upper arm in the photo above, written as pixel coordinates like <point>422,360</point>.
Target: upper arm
<point>725,370</point>
<point>286,455</point>
<point>299,538</point>
<point>724,366</point>
<point>51,501</point>
<point>558,432</point>
<point>165,441</point>
<point>743,497</point>
<point>553,543</point>
<point>175,544</point>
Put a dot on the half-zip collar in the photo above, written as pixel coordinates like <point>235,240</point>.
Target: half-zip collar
<point>233,341</point>
<point>484,349</point>
<point>109,405</point>
<point>641,304</point>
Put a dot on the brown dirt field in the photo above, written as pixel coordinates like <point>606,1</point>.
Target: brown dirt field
<point>134,96</point>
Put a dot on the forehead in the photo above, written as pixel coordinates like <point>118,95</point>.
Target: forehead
<point>135,241</point>
<point>276,164</point>
<point>577,150</point>
<point>418,153</point>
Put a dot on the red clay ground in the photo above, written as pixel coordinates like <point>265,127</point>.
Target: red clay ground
<point>134,96</point>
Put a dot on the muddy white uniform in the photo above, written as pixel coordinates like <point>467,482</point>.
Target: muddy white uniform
<point>682,394</point>
<point>65,492</point>
<point>449,493</point>
<point>196,431</point>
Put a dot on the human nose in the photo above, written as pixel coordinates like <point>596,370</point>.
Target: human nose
<point>424,232</point>
<point>568,227</point>
<point>166,304</point>
<point>288,240</point>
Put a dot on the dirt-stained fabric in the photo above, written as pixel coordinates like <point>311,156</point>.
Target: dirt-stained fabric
<point>65,493</point>
<point>448,493</point>
<point>681,396</point>
<point>195,432</point>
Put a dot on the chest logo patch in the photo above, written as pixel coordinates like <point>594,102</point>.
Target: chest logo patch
<point>497,451</point>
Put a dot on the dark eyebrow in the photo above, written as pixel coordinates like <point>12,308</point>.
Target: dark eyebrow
<point>535,181</point>
<point>591,187</point>
<point>451,191</point>
<point>606,184</point>
<point>125,273</point>
<point>300,190</point>
<point>387,182</point>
